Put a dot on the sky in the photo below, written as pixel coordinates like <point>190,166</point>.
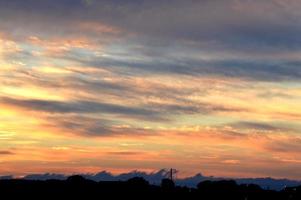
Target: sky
<point>205,86</point>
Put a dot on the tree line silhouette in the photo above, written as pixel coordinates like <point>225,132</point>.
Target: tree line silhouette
<point>138,188</point>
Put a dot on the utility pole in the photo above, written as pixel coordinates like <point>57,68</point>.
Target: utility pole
<point>172,173</point>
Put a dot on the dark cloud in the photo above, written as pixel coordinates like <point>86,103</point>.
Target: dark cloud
<point>256,126</point>
<point>232,24</point>
<point>80,107</point>
<point>3,152</point>
<point>88,126</point>
<point>258,70</point>
<point>147,111</point>
<point>157,31</point>
<point>93,127</point>
<point>71,117</point>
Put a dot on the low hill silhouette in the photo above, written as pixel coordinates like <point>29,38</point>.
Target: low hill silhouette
<point>156,177</point>
<point>79,187</point>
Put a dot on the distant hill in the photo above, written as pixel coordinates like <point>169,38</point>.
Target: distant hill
<point>265,183</point>
<point>6,177</point>
<point>156,177</point>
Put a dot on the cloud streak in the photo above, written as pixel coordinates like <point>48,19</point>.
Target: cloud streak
<point>77,107</point>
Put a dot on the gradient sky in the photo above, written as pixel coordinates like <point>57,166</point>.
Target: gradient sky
<point>207,86</point>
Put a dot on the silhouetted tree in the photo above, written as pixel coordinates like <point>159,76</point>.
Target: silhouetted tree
<point>138,182</point>
<point>167,184</point>
<point>76,179</point>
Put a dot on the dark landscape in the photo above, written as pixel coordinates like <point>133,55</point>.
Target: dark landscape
<point>138,188</point>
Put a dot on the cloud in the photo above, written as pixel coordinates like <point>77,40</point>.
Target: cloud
<point>156,37</point>
<point>231,162</point>
<point>79,107</point>
<point>124,153</point>
<point>195,108</point>
<point>284,145</point>
<point>93,126</point>
<point>3,152</point>
<point>254,70</point>
<point>235,24</point>
<point>148,111</point>
<point>257,126</point>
